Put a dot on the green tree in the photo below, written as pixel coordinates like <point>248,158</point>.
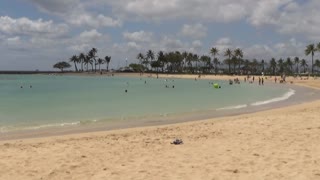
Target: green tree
<point>92,55</point>
<point>262,64</point>
<point>216,63</point>
<point>75,60</point>
<point>136,67</point>
<point>254,65</point>
<point>289,65</point>
<point>87,61</point>
<point>273,65</point>
<point>317,64</point>
<point>206,60</point>
<point>150,56</point>
<point>62,65</point>
<point>100,61</point>
<point>82,58</point>
<point>238,53</point>
<point>310,50</point>
<point>107,60</point>
<point>297,62</point>
<point>304,64</point>
<point>141,59</point>
<point>228,53</point>
<point>281,65</point>
<point>162,59</point>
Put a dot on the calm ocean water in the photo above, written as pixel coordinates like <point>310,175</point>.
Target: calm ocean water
<point>47,100</point>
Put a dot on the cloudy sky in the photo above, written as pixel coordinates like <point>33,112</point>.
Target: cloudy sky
<point>34,34</point>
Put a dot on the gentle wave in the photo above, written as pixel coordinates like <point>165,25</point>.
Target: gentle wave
<point>282,98</point>
<point>6,129</point>
<point>233,107</point>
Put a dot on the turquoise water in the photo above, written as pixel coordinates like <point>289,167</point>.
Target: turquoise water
<point>72,100</point>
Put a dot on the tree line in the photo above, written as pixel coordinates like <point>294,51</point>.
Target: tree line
<point>84,60</point>
<point>233,63</point>
<point>187,62</point>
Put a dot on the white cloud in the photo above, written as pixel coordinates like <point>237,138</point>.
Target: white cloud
<point>75,13</point>
<point>89,36</point>
<point>210,10</point>
<point>139,36</point>
<point>25,26</point>
<point>93,21</point>
<point>195,31</point>
<point>289,17</point>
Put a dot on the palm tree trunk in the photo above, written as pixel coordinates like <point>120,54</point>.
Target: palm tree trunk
<point>107,67</point>
<point>75,67</point>
<point>312,65</point>
<point>81,66</point>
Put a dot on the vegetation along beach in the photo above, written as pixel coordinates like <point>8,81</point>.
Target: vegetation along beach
<point>160,90</point>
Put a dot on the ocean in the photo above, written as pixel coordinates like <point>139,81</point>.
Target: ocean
<point>42,101</point>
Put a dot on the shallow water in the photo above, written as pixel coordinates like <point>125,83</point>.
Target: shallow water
<point>73,100</point>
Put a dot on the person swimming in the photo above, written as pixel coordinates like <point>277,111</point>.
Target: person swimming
<point>126,91</point>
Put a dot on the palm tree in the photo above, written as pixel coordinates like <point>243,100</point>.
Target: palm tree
<point>87,61</point>
<point>150,56</point>
<point>262,64</point>
<point>92,54</point>
<point>162,60</point>
<point>75,60</point>
<point>289,63</point>
<point>141,58</point>
<point>185,55</point>
<point>273,65</point>
<point>228,53</point>
<point>100,61</point>
<point>216,62</point>
<point>234,61</point>
<point>214,51</point>
<point>189,62</point>
<point>296,62</point>
<point>107,60</point>
<point>81,59</point>
<point>238,53</point>
<point>304,65</point>
<point>254,65</point>
<point>317,64</point>
<point>281,65</point>
<point>310,49</point>
<point>195,58</point>
<point>247,65</point>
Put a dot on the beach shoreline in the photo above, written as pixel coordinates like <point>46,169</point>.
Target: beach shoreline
<point>281,143</point>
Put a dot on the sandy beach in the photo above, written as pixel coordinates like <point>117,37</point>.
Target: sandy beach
<point>281,143</point>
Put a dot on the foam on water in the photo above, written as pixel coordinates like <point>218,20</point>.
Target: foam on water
<point>233,107</point>
<point>286,96</point>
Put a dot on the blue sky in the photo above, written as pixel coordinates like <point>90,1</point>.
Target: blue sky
<point>34,34</point>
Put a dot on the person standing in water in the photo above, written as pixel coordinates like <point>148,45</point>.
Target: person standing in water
<point>262,81</point>
<point>259,81</point>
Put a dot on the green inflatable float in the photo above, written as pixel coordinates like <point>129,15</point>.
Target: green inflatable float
<point>216,85</point>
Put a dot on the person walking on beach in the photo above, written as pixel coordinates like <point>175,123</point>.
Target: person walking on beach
<point>262,81</point>
<point>259,81</point>
<point>275,79</point>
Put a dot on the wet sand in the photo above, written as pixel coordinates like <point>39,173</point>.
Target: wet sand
<point>282,143</point>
